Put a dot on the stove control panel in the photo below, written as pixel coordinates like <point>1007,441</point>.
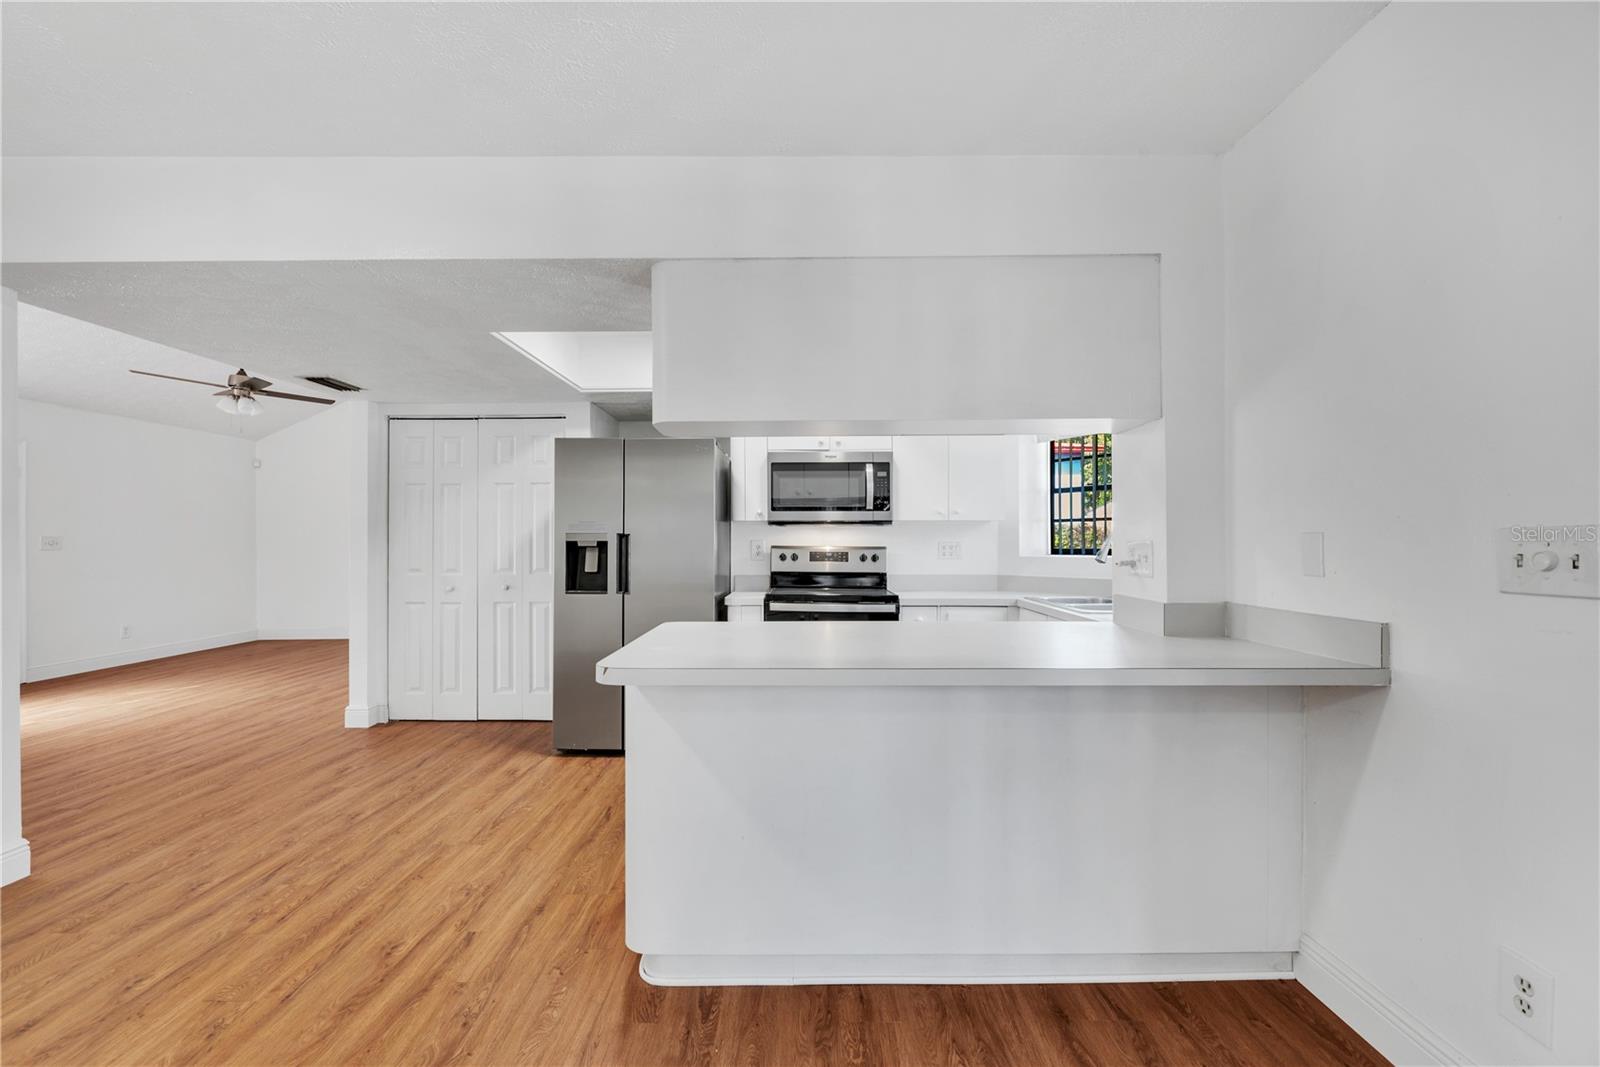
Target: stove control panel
<point>869,559</point>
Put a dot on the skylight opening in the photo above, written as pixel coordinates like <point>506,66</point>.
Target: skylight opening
<point>594,361</point>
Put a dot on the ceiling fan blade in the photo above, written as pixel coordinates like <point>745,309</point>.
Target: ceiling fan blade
<point>225,392</point>
<point>255,385</point>
<point>172,378</point>
<point>292,396</point>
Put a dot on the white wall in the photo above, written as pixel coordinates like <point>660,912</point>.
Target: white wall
<point>913,548</point>
<point>158,532</point>
<point>15,859</point>
<point>907,345</point>
<point>303,528</point>
<point>1411,299</point>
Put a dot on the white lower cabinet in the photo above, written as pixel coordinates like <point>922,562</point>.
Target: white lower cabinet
<point>1029,615</point>
<point>745,613</point>
<point>974,613</point>
<point>919,613</point>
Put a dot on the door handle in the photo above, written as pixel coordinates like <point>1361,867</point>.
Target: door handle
<point>507,588</point>
<point>622,562</point>
<point>449,589</point>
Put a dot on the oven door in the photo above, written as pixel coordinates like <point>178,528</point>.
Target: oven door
<point>790,608</point>
<point>816,487</point>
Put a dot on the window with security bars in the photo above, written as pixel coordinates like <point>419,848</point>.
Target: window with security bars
<point>1080,494</point>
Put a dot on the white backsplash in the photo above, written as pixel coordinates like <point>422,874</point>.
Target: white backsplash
<point>913,546</point>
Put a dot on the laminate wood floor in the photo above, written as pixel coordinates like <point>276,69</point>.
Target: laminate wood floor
<point>224,874</point>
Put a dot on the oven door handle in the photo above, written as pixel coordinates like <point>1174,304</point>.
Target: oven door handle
<point>835,609</point>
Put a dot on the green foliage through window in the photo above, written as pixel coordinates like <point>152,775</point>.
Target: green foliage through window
<point>1080,494</point>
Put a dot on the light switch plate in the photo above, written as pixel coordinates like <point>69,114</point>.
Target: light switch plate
<point>50,544</point>
<point>1143,554</point>
<point>1549,560</point>
<point>1311,555</point>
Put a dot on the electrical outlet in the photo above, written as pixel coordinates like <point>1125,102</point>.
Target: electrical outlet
<point>49,544</point>
<point>949,549</point>
<point>1527,997</point>
<point>758,550</point>
<point>1142,558</point>
<point>127,631</point>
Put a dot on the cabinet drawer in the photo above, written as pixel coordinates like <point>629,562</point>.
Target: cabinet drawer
<point>919,613</point>
<point>974,613</point>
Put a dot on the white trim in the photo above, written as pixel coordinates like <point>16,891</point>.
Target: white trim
<point>16,862</point>
<point>305,633</point>
<point>673,970</point>
<point>1369,1011</point>
<point>137,655</point>
<point>361,718</point>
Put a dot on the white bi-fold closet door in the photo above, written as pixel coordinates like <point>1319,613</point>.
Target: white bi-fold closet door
<point>471,570</point>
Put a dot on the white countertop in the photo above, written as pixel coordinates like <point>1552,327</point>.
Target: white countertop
<point>958,654</point>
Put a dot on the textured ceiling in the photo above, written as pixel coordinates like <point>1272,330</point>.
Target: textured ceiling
<point>77,364</point>
<point>544,79</point>
<point>404,330</point>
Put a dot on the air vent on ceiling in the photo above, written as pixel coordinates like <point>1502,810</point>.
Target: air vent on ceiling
<point>332,383</point>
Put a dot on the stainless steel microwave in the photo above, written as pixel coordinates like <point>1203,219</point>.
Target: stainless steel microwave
<point>828,487</point>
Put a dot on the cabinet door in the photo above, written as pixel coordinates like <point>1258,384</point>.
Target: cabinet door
<point>737,482</point>
<point>974,613</point>
<point>800,444</point>
<point>919,613</point>
<point>977,482</point>
<point>755,478</point>
<point>745,613</point>
<point>861,444</point>
<point>920,489</point>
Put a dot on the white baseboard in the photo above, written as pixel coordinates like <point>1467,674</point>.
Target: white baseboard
<point>670,970</point>
<point>42,671</point>
<point>1369,1011</point>
<point>16,861</point>
<point>304,633</point>
<point>361,718</point>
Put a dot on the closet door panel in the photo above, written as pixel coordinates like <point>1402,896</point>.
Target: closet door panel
<point>411,630</point>
<point>455,478</point>
<point>516,565</point>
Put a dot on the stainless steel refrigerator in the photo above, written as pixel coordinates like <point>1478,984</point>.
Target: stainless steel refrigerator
<point>644,539</point>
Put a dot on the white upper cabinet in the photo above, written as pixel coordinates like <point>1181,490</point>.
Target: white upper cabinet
<point>747,471</point>
<point>950,479</point>
<point>829,444</point>
<point>977,478</point>
<point>920,489</point>
<point>799,444</point>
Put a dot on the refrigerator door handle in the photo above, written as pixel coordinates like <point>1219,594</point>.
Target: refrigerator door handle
<point>622,563</point>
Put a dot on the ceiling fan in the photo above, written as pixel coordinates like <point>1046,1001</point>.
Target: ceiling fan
<point>238,397</point>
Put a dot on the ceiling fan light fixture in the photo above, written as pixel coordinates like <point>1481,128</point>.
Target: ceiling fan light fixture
<point>228,405</point>
<point>249,405</point>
